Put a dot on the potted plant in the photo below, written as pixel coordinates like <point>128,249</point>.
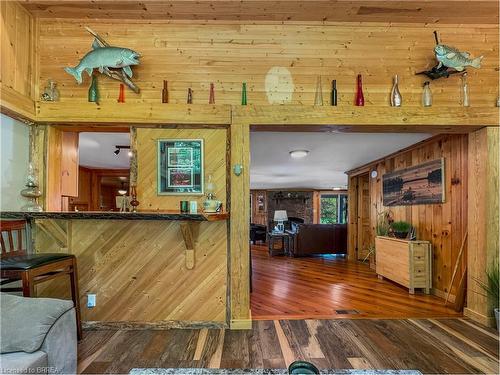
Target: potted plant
<point>401,229</point>
<point>491,287</point>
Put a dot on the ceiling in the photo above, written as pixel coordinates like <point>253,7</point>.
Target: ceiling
<point>96,150</point>
<point>429,11</point>
<point>330,156</point>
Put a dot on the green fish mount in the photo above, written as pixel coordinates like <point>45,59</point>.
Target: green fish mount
<point>115,62</point>
<point>450,61</point>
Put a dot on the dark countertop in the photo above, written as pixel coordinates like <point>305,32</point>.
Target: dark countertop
<point>106,215</point>
<point>208,371</point>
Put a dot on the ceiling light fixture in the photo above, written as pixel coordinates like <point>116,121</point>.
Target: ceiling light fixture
<point>298,154</point>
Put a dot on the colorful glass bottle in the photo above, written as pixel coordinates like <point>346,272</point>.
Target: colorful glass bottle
<point>121,96</point>
<point>244,94</point>
<point>427,95</point>
<point>334,93</point>
<point>360,99</point>
<point>396,98</point>
<point>94,90</point>
<point>211,98</point>
<point>318,98</point>
<point>164,92</point>
<point>464,91</point>
<point>190,96</point>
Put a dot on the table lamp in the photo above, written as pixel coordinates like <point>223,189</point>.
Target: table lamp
<point>280,216</point>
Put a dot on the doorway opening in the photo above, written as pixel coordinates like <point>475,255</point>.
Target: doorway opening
<point>313,224</point>
<point>92,172</point>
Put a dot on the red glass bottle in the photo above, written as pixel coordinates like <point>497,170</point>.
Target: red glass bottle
<point>190,96</point>
<point>121,96</point>
<point>360,99</point>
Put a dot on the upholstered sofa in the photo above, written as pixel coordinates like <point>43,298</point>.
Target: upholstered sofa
<point>38,336</point>
<point>309,239</point>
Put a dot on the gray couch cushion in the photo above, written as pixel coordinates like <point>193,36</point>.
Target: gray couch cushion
<point>24,363</point>
<point>26,321</point>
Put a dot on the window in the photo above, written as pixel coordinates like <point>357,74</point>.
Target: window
<point>333,209</point>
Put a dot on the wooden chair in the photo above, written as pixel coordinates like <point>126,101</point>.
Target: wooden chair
<point>31,269</point>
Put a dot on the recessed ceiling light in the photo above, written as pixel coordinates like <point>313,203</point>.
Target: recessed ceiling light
<point>337,188</point>
<point>298,154</point>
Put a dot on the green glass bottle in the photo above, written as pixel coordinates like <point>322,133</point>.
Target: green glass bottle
<point>244,94</point>
<point>93,90</point>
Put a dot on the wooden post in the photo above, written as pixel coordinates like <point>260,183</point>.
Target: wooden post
<point>483,222</point>
<point>240,317</point>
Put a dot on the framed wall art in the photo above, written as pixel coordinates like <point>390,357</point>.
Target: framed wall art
<point>180,167</point>
<point>419,184</point>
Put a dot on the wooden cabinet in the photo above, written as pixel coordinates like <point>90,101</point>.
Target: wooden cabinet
<point>83,200</point>
<point>408,263</point>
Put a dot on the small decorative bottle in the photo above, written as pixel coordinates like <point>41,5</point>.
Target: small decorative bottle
<point>244,94</point>
<point>334,93</point>
<point>427,95</point>
<point>464,91</point>
<point>498,101</point>
<point>31,192</point>
<point>121,95</point>
<point>164,92</point>
<point>50,93</point>
<point>318,98</point>
<point>396,99</point>
<point>94,90</point>
<point>190,96</point>
<point>211,98</point>
<point>133,198</point>
<point>360,99</point>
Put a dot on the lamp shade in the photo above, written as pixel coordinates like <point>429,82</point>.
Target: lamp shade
<point>280,215</point>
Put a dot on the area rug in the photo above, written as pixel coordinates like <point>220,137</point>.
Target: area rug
<point>209,371</point>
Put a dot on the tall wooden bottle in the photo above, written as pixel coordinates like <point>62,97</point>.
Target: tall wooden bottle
<point>360,99</point>
<point>164,92</point>
<point>211,98</point>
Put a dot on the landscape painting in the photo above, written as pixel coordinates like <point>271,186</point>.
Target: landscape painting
<point>420,184</point>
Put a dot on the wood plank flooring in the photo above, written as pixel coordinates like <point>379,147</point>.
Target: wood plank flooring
<point>316,287</point>
<point>453,345</point>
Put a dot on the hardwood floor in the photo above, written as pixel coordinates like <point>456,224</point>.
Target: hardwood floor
<point>317,287</point>
<point>430,345</point>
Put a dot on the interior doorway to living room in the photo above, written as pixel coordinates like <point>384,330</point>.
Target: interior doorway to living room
<point>306,263</point>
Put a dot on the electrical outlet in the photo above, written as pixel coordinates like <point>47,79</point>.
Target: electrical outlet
<point>91,300</point>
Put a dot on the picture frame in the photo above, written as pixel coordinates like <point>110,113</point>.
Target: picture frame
<point>180,167</point>
<point>419,184</point>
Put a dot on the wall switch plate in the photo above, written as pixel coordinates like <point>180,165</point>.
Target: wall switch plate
<point>91,300</point>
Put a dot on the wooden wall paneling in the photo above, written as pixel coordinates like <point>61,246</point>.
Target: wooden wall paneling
<point>214,164</point>
<point>442,224</point>
<point>53,169</point>
<point>83,201</point>
<point>240,315</point>
<point>352,216</point>
<point>365,237</point>
<point>483,222</point>
<point>69,164</point>
<point>320,11</point>
<point>17,80</point>
<point>228,54</point>
<point>137,269</point>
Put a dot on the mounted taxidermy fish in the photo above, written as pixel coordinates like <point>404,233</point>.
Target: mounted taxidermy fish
<point>453,58</point>
<point>104,58</point>
<point>450,61</point>
<point>115,62</point>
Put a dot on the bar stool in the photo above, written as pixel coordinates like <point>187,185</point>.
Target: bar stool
<point>31,269</point>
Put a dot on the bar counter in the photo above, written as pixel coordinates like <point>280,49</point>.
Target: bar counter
<point>147,268</point>
<point>114,215</point>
